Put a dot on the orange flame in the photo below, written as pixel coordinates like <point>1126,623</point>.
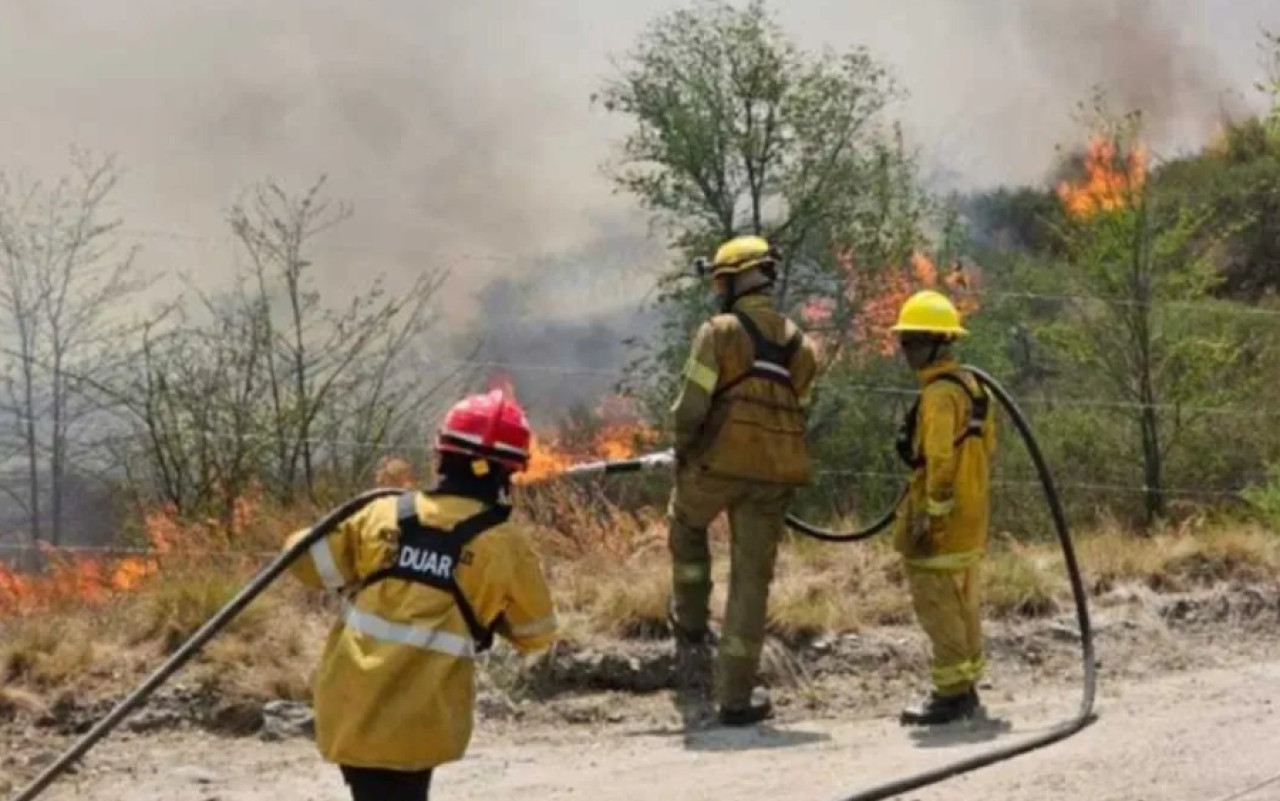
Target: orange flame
<point>613,441</point>
<point>92,579</point>
<point>1109,182</point>
<point>70,577</point>
<point>883,295</point>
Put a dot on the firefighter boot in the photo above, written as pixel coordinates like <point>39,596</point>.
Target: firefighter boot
<point>940,709</point>
<point>757,710</point>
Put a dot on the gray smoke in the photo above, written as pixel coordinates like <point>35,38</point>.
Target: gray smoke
<point>462,133</point>
<point>994,83</point>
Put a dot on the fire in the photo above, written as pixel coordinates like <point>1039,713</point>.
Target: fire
<point>548,458</point>
<point>1109,182</point>
<point>70,577</point>
<point>882,296</point>
<point>88,579</point>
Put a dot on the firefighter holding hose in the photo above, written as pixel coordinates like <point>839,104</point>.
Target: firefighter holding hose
<point>948,440</point>
<point>740,423</point>
<point>427,579</point>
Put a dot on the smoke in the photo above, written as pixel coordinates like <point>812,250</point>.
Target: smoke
<point>560,330</point>
<point>994,84</point>
<point>462,133</point>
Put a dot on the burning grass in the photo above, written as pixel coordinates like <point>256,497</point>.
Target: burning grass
<point>610,572</point>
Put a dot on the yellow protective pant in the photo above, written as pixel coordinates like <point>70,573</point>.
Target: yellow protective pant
<point>757,514</point>
<point>947,606</point>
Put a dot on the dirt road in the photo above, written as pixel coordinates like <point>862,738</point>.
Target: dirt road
<point>1198,735</point>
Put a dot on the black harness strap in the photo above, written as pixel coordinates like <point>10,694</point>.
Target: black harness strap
<point>769,360</point>
<point>429,555</point>
<point>979,403</point>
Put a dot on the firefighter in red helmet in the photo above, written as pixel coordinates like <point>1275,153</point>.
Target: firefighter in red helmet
<point>427,579</point>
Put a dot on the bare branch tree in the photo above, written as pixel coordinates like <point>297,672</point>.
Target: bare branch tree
<point>321,356</point>
<point>65,283</point>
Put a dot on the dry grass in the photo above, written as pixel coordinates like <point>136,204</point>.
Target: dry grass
<point>47,653</point>
<point>1178,559</point>
<point>610,573</point>
<point>1018,583</point>
<point>827,588</point>
<point>16,701</point>
<point>182,601</point>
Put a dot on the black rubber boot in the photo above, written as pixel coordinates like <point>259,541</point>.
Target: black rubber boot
<point>758,709</point>
<point>940,709</point>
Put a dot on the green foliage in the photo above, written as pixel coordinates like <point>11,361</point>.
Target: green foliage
<point>738,130</point>
<point>1264,497</point>
<point>1122,329</point>
<point>1133,262</point>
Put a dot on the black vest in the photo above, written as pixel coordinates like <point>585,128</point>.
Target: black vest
<point>770,360</point>
<point>429,555</point>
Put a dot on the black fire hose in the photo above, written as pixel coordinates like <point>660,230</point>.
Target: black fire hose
<point>1060,732</point>
<point>192,646</point>
<point>827,535</point>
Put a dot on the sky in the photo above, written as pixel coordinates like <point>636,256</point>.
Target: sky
<point>462,133</point>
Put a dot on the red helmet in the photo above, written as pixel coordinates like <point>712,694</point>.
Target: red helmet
<point>490,426</point>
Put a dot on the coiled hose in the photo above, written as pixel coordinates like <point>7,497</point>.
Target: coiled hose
<point>1085,715</point>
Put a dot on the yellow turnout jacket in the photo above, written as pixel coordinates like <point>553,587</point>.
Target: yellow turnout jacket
<point>395,685</point>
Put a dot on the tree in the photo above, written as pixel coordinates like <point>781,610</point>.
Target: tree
<point>64,285</point>
<point>263,384</point>
<point>329,369</point>
<point>197,398</point>
<point>1135,264</point>
<point>736,130</point>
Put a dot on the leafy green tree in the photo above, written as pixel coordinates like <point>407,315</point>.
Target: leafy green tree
<point>737,130</point>
<point>1136,265</point>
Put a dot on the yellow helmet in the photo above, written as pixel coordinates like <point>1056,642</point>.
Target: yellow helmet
<point>741,254</point>
<point>929,312</point>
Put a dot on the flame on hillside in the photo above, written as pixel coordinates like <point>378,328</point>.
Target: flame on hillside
<point>1109,182</point>
<point>878,299</point>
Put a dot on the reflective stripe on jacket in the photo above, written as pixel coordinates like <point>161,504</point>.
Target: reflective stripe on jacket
<point>395,684</point>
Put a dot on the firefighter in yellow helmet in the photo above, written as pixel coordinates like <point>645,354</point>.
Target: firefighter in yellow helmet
<point>948,440</point>
<point>740,424</point>
<point>426,580</point>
